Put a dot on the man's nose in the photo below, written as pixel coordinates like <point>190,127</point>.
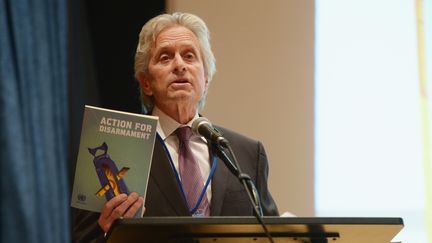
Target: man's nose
<point>179,64</point>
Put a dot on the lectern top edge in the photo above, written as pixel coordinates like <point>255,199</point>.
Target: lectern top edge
<point>247,229</point>
<point>267,220</point>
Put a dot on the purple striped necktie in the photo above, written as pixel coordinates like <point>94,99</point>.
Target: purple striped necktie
<point>190,174</point>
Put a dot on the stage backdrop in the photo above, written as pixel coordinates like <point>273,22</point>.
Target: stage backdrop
<point>264,85</point>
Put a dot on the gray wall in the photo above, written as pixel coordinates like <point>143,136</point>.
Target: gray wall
<point>264,85</point>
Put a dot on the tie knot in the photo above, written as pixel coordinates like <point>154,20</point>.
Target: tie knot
<point>184,133</point>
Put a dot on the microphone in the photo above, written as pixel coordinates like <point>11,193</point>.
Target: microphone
<point>202,126</point>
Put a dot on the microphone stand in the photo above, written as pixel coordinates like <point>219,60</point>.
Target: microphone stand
<point>244,178</point>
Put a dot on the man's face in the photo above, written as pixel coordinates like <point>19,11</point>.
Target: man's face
<point>176,70</point>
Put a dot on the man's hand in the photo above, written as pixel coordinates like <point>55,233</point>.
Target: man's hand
<point>120,206</point>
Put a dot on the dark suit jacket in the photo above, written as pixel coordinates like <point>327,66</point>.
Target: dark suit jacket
<point>164,197</point>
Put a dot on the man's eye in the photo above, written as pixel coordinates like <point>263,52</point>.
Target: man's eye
<point>164,58</point>
<point>189,56</point>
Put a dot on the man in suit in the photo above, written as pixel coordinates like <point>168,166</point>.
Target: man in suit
<point>174,65</point>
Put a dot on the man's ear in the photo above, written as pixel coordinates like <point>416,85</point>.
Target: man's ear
<point>206,85</point>
<point>146,85</point>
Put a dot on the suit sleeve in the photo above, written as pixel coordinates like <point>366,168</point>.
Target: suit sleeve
<point>85,227</point>
<point>268,205</point>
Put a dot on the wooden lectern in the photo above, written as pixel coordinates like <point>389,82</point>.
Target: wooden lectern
<point>247,229</point>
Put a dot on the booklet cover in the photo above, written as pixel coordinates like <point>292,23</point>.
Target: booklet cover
<point>114,156</point>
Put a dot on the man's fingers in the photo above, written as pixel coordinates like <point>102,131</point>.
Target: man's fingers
<point>130,213</point>
<point>112,204</point>
<point>119,206</point>
<point>120,210</point>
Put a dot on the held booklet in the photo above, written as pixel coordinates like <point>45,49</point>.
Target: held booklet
<point>114,156</point>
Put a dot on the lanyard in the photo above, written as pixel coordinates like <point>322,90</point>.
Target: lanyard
<point>209,178</point>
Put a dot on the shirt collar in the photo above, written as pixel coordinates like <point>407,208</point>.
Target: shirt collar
<point>167,125</point>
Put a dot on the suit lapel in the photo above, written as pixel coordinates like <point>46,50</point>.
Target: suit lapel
<point>219,185</point>
<point>164,178</point>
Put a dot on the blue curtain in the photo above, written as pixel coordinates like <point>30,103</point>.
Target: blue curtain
<point>34,121</point>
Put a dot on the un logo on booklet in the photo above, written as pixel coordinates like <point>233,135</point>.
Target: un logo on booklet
<point>81,197</point>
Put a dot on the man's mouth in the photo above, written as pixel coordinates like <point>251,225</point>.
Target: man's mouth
<point>181,81</point>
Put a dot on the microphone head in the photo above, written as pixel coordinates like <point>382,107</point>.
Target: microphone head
<point>202,127</point>
<point>200,121</point>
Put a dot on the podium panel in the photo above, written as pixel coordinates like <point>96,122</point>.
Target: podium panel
<point>247,230</point>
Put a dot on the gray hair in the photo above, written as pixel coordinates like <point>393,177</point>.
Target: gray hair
<point>147,38</point>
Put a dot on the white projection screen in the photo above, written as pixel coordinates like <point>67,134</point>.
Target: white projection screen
<point>369,151</point>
